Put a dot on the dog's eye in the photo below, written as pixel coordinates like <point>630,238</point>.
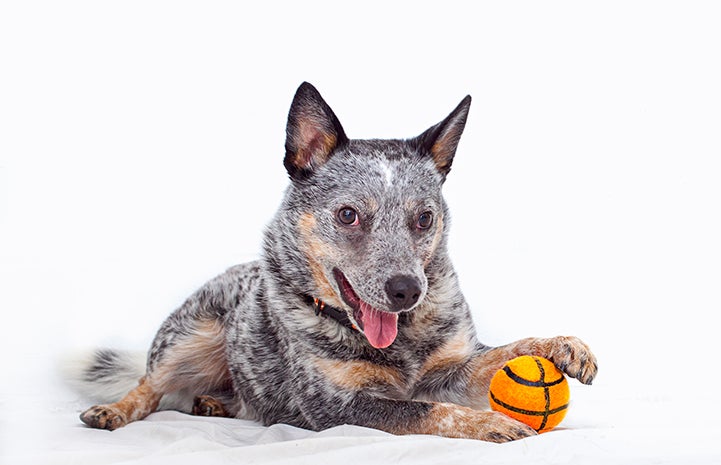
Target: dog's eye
<point>348,216</point>
<point>425,220</point>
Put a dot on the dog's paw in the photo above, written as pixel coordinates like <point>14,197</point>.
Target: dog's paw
<point>103,417</point>
<point>572,356</point>
<point>207,406</point>
<point>502,428</point>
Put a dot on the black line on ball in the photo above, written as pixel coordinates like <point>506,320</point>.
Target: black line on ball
<point>526,382</point>
<point>546,394</point>
<point>536,413</point>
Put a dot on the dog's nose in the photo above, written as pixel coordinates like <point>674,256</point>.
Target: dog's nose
<point>403,292</point>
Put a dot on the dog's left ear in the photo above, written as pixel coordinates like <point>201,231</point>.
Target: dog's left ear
<point>312,134</point>
<point>440,141</point>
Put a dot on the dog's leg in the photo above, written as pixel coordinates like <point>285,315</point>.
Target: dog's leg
<point>570,354</point>
<point>193,358</point>
<point>452,388</point>
<point>409,417</point>
<point>356,394</point>
<point>452,421</point>
<point>461,371</point>
<point>188,354</point>
<point>137,404</point>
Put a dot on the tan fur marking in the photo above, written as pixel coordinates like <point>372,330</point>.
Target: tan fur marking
<point>139,402</point>
<point>486,365</point>
<point>436,239</point>
<point>314,147</point>
<point>442,155</point>
<point>356,375</point>
<point>313,249</point>
<point>199,361</point>
<point>455,351</point>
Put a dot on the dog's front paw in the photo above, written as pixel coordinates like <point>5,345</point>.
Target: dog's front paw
<point>455,421</point>
<point>103,417</point>
<point>572,356</point>
<point>502,428</point>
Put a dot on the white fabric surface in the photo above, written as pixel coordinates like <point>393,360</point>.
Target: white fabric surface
<point>604,426</point>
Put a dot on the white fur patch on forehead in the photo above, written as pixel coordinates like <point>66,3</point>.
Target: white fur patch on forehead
<point>387,173</point>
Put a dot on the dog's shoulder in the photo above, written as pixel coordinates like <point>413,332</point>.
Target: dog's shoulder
<point>230,290</point>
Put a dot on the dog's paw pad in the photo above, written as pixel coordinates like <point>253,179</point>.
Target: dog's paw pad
<point>103,417</point>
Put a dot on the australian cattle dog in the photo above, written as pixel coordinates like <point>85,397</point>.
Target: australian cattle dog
<point>352,315</point>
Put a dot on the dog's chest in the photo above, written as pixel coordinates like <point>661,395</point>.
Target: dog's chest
<point>394,379</point>
<point>394,372</point>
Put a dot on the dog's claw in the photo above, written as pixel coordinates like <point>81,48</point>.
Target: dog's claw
<point>572,356</point>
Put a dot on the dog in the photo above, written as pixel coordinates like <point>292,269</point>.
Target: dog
<point>352,315</point>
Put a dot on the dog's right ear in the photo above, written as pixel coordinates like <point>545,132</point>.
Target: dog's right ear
<point>312,134</point>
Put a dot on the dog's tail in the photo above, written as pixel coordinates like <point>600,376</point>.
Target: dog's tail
<point>103,375</point>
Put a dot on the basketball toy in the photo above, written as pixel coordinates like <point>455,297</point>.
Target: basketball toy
<point>531,390</point>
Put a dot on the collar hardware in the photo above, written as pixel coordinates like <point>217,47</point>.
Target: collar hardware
<point>320,308</point>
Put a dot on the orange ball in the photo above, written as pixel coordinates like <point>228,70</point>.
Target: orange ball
<point>531,390</point>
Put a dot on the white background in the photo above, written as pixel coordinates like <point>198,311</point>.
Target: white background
<point>141,149</point>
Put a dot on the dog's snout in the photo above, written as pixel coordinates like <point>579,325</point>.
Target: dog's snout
<point>403,292</point>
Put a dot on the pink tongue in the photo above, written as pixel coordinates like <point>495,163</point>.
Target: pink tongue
<point>380,328</point>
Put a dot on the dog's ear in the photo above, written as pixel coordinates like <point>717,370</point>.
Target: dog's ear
<point>312,133</point>
<point>440,141</point>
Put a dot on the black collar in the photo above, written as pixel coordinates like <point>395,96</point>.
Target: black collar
<point>337,314</point>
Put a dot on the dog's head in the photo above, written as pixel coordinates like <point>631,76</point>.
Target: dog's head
<point>363,219</point>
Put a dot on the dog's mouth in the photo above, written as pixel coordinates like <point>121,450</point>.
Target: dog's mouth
<point>379,327</point>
